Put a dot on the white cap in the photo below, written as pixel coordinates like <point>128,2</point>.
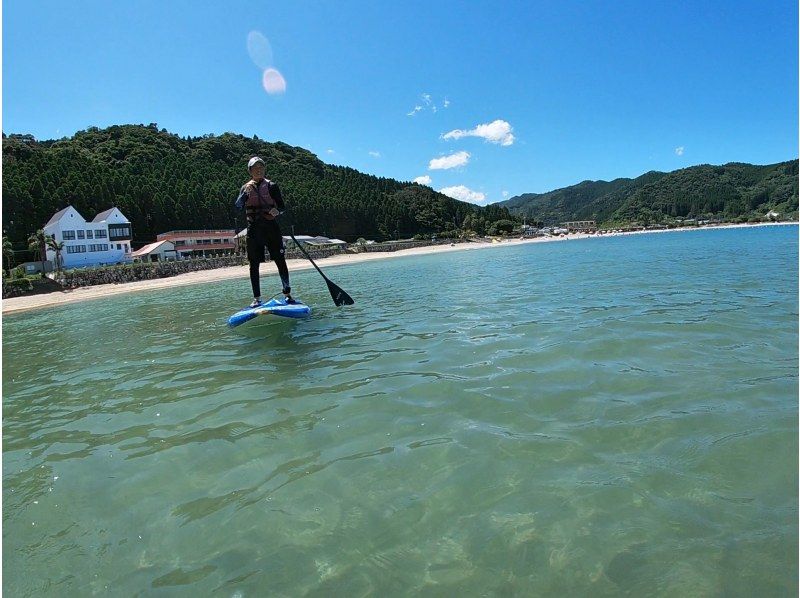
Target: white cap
<point>253,161</point>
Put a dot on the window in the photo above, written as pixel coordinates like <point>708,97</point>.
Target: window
<point>89,234</point>
<point>76,248</point>
<point>68,235</point>
<point>81,234</point>
<point>180,242</point>
<point>118,232</point>
<point>119,246</point>
<point>100,234</point>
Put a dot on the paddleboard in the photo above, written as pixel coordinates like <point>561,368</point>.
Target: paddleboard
<point>273,307</point>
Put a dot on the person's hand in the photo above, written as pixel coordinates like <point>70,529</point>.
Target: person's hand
<point>274,212</point>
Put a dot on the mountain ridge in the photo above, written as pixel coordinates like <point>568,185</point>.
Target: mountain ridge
<point>736,190</point>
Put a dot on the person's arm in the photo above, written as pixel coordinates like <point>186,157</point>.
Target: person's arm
<point>241,198</point>
<point>247,191</point>
<point>275,194</point>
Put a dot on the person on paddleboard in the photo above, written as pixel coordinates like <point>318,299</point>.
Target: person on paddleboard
<point>262,202</point>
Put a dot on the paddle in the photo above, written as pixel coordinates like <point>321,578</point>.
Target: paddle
<point>339,296</point>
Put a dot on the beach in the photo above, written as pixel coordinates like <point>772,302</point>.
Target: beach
<point>30,302</point>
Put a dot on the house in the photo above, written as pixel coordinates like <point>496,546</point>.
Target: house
<point>160,251</point>
<point>305,240</point>
<point>325,242</point>
<point>104,240</point>
<point>200,242</point>
<point>580,226</point>
<point>310,241</point>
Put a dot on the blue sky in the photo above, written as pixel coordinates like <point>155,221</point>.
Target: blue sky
<point>486,99</point>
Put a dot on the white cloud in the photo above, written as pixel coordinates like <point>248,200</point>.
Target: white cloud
<point>329,151</point>
<point>679,150</point>
<point>423,180</point>
<point>497,131</point>
<point>505,193</point>
<point>463,193</point>
<point>375,154</point>
<point>428,103</point>
<point>451,161</point>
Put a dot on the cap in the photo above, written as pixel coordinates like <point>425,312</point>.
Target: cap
<point>253,161</point>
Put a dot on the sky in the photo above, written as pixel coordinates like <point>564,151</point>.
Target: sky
<point>480,100</point>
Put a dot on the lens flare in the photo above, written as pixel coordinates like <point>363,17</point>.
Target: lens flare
<point>259,49</point>
<point>273,82</point>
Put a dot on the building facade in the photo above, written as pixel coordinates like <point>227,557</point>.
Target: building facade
<point>197,243</point>
<point>104,240</point>
<point>582,226</point>
<point>160,251</point>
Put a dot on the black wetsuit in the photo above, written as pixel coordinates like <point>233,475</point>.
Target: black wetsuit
<point>264,233</point>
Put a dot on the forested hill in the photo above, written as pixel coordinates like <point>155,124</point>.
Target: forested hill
<point>163,182</point>
<point>733,191</point>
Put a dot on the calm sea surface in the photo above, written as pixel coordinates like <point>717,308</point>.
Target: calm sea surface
<point>596,417</point>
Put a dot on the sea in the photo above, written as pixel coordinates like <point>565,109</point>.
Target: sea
<point>597,417</point>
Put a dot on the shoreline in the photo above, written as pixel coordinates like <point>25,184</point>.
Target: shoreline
<point>26,303</point>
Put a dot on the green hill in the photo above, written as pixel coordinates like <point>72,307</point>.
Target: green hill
<point>733,191</point>
<point>162,182</point>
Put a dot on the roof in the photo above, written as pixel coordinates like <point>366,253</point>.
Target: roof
<point>103,215</point>
<point>57,216</point>
<point>149,248</point>
<point>325,241</point>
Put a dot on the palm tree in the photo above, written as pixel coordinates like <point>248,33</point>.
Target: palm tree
<point>38,242</point>
<point>58,247</point>
<point>8,252</point>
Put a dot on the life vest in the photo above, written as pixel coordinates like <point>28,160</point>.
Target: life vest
<point>259,202</point>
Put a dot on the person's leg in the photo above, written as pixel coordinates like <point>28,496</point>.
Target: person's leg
<point>277,255</point>
<point>255,255</point>
<point>255,281</point>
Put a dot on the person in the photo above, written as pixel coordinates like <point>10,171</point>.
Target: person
<point>262,202</point>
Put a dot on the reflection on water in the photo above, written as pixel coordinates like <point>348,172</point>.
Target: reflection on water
<point>602,417</point>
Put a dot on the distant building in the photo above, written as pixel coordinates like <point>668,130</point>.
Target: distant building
<point>320,242</point>
<point>160,251</point>
<point>104,240</point>
<point>188,243</point>
<point>582,226</point>
<point>305,240</point>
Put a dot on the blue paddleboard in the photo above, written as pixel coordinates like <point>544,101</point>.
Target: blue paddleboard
<point>275,307</point>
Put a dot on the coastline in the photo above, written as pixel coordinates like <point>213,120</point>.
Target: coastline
<point>55,299</point>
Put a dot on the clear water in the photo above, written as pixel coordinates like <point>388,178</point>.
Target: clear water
<point>600,417</point>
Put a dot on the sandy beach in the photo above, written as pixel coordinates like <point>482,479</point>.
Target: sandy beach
<point>25,303</point>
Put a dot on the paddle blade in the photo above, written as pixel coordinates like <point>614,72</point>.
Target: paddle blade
<point>339,296</point>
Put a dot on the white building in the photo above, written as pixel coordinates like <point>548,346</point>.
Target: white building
<point>160,251</point>
<point>104,240</point>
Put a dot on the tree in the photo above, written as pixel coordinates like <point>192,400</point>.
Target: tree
<point>501,226</point>
<point>38,242</point>
<point>8,253</point>
<point>58,247</point>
